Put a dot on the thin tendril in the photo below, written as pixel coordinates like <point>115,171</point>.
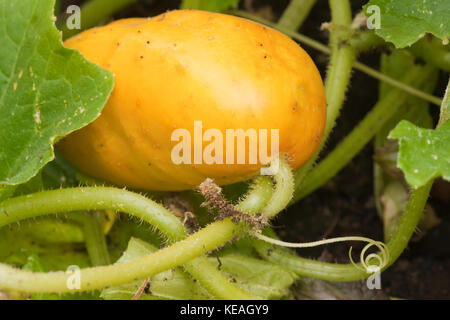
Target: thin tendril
<point>366,261</point>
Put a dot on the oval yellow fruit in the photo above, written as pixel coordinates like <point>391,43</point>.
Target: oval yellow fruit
<point>185,70</point>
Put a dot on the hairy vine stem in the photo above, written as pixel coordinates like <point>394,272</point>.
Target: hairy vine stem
<point>337,79</point>
<point>91,198</point>
<point>284,189</point>
<point>179,253</point>
<point>366,40</point>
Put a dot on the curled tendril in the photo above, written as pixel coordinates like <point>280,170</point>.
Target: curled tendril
<point>367,265</point>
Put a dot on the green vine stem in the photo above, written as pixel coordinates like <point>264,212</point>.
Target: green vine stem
<point>338,77</point>
<point>357,65</point>
<point>296,13</point>
<point>258,196</point>
<point>385,109</point>
<point>341,61</point>
<point>167,258</point>
<point>94,12</point>
<point>94,236</point>
<point>200,268</point>
<point>91,198</point>
<point>366,40</point>
<point>94,278</point>
<point>308,267</point>
<point>181,252</point>
<point>409,221</point>
<point>283,191</point>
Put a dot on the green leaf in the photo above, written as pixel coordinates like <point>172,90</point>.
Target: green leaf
<point>46,90</point>
<point>424,153</point>
<point>209,5</point>
<point>403,22</point>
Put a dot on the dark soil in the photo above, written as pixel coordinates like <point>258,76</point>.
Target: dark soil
<point>346,205</point>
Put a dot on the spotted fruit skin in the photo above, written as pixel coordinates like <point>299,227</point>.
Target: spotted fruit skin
<point>185,66</point>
